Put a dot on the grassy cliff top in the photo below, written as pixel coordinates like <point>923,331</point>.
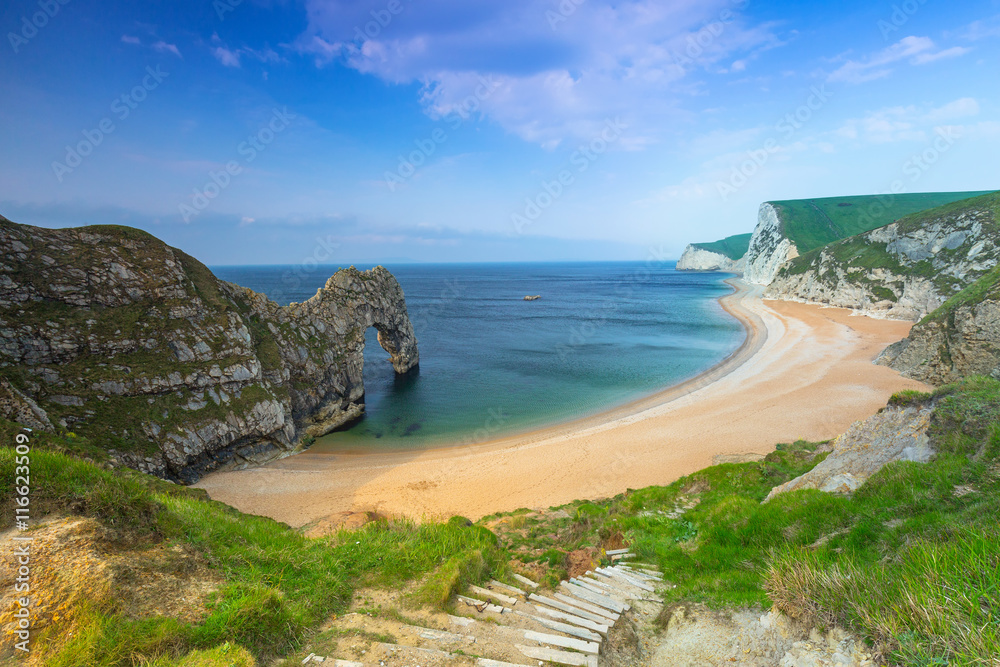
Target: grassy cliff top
<point>857,252</point>
<point>986,288</point>
<point>811,223</point>
<point>733,247</point>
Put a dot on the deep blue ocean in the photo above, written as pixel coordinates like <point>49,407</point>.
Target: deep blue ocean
<point>492,364</point>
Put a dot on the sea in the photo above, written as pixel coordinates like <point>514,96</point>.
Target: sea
<point>601,334</point>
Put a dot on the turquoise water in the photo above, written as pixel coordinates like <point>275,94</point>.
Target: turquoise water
<point>493,364</point>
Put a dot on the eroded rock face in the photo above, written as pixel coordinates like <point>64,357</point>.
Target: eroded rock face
<point>895,434</point>
<point>769,247</point>
<point>962,343</point>
<point>900,271</point>
<point>108,332</point>
<point>698,259</point>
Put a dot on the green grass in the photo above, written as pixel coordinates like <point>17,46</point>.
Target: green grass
<point>733,247</point>
<point>811,223</point>
<point>908,562</point>
<point>900,547</point>
<point>986,288</point>
<point>860,256</point>
<point>280,585</point>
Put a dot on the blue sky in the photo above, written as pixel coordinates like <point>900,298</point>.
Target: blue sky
<point>269,131</point>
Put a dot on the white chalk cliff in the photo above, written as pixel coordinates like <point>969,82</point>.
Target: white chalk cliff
<point>769,247</point>
<point>699,259</point>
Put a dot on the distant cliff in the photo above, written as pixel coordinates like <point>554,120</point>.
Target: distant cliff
<point>107,332</point>
<point>725,255</point>
<point>789,228</point>
<point>959,339</point>
<point>903,270</point>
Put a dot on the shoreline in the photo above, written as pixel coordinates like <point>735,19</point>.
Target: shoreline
<point>648,441</point>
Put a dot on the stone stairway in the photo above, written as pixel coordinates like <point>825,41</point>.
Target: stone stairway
<point>504,625</point>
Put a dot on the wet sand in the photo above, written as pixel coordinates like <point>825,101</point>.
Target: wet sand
<point>804,371</point>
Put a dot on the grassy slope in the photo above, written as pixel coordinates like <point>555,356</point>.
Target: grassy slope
<point>856,252</point>
<point>986,288</point>
<point>280,584</point>
<point>904,536</point>
<point>811,223</point>
<point>732,247</point>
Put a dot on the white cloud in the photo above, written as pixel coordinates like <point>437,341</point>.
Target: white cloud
<point>128,39</point>
<point>915,50</point>
<point>982,29</point>
<point>905,123</point>
<point>557,79</point>
<point>233,57</point>
<point>226,57</point>
<point>163,47</point>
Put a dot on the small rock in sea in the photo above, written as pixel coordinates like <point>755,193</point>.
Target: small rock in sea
<point>533,298</point>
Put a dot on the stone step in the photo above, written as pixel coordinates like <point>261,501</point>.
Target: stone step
<point>594,598</point>
<point>615,552</point>
<point>413,655</point>
<point>482,606</point>
<point>561,657</point>
<point>486,662</point>
<point>499,597</point>
<point>524,580</point>
<point>563,642</point>
<point>631,590</point>
<point>604,618</point>
<point>630,580</point>
<point>645,575</point>
<point>586,606</point>
<point>599,628</point>
<point>343,663</point>
<point>601,588</point>
<point>565,628</point>
<point>507,587</point>
<point>440,635</point>
<point>621,591</point>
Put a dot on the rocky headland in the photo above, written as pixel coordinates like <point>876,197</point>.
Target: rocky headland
<point>107,332</point>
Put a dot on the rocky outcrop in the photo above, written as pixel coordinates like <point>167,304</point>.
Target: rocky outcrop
<point>960,339</point>
<point>903,270</point>
<point>698,259</point>
<point>113,335</point>
<point>769,247</point>
<point>897,433</point>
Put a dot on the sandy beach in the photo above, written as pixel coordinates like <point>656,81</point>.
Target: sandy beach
<point>804,371</point>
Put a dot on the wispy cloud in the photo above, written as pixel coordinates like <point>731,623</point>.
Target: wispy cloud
<point>561,74</point>
<point>906,123</point>
<point>159,46</point>
<point>231,57</point>
<point>163,47</point>
<point>915,50</point>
